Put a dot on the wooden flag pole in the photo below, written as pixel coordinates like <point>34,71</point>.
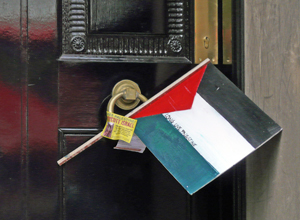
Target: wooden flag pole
<point>79,149</point>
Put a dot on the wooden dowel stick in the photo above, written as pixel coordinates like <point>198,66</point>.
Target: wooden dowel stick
<point>79,149</point>
<point>83,147</point>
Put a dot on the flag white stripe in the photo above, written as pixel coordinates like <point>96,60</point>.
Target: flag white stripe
<point>216,140</point>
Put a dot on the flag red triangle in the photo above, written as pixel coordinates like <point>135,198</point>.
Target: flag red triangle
<point>179,96</point>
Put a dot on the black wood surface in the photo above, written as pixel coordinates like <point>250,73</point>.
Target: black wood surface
<point>48,108</point>
<point>134,16</point>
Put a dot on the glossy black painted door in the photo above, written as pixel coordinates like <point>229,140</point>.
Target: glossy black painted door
<point>49,108</point>
<point>103,183</point>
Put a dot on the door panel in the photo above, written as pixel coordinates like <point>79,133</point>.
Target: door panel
<point>112,184</point>
<point>107,183</point>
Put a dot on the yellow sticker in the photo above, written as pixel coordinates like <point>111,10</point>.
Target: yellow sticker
<point>119,127</point>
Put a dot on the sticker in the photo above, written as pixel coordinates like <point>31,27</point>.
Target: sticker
<point>119,127</point>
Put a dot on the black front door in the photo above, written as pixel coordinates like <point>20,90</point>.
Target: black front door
<point>50,107</point>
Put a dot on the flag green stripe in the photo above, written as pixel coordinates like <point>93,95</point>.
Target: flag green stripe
<point>179,157</point>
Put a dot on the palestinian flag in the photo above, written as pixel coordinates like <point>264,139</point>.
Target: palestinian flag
<point>201,125</point>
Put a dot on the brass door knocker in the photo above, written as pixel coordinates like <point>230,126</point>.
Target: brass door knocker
<point>126,94</point>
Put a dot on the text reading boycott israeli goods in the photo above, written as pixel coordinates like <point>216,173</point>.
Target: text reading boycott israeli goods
<point>119,127</point>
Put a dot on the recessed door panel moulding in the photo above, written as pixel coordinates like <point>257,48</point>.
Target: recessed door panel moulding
<point>125,34</point>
